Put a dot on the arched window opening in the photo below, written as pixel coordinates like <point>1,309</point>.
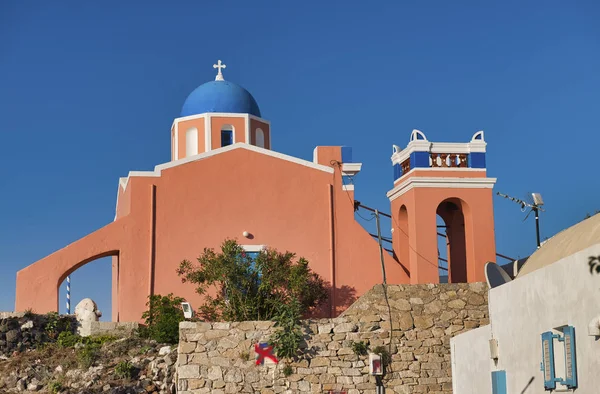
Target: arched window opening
<point>92,280</point>
<point>226,135</point>
<point>452,250</point>
<point>403,237</point>
<point>260,138</point>
<point>191,142</point>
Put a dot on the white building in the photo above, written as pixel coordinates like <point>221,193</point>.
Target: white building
<point>555,300</point>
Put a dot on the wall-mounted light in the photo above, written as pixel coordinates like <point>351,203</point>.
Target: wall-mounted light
<point>246,234</point>
<point>188,312</point>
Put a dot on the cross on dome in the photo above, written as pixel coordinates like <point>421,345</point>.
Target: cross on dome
<point>219,66</point>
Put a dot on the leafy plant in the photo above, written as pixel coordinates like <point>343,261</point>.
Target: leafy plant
<point>87,355</point>
<point>28,313</point>
<point>359,348</point>
<point>68,339</point>
<point>252,287</point>
<point>386,357</point>
<point>101,339</point>
<point>55,387</point>
<point>162,318</point>
<point>287,370</point>
<point>144,349</point>
<point>245,356</point>
<point>286,340</point>
<point>55,324</point>
<point>124,370</point>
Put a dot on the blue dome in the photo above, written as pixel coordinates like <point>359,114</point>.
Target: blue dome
<point>220,96</point>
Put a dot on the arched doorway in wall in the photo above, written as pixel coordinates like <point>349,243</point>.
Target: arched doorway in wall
<point>452,244</point>
<point>92,279</point>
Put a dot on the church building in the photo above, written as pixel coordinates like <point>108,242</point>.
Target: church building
<point>224,180</point>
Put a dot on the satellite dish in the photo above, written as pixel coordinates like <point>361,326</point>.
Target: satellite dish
<point>518,264</point>
<point>495,275</point>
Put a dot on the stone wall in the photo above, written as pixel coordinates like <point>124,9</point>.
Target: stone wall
<point>25,332</point>
<point>120,329</point>
<point>6,315</point>
<point>219,357</point>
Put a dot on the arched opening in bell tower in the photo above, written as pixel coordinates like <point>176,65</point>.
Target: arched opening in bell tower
<point>403,237</point>
<point>452,212</point>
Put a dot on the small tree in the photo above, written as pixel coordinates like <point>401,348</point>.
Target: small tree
<point>252,287</point>
<point>162,318</point>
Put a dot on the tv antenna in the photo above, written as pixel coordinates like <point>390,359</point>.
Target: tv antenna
<point>535,206</point>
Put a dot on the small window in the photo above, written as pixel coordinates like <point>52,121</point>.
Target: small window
<point>260,138</point>
<point>191,142</point>
<point>226,135</point>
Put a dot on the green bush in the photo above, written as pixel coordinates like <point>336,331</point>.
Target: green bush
<point>359,348</point>
<point>252,286</point>
<point>55,387</point>
<point>68,339</point>
<point>87,355</point>
<point>124,370</point>
<point>287,370</point>
<point>162,319</point>
<point>55,324</point>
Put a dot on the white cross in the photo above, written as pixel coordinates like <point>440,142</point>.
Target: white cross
<point>219,65</point>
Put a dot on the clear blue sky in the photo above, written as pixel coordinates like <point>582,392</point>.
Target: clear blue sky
<point>88,91</point>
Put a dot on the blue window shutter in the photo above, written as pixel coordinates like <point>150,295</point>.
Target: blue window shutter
<point>570,357</point>
<point>548,360</point>
<point>499,382</point>
<point>346,154</point>
<point>397,171</point>
<point>419,159</point>
<point>476,160</point>
<point>226,137</point>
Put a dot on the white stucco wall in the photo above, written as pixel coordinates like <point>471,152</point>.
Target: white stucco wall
<point>473,376</point>
<point>563,293</point>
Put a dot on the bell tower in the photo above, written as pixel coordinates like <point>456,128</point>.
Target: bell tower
<point>448,180</point>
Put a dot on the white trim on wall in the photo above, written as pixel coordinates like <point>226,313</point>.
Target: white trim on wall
<point>207,134</point>
<point>351,168</point>
<point>176,142</point>
<point>440,182</point>
<point>443,169</point>
<point>247,129</point>
<point>240,145</point>
<point>254,248</point>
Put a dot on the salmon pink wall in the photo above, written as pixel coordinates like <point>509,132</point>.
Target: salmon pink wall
<point>282,204</point>
<point>421,205</point>
<point>217,122</point>
<point>183,127</point>
<point>257,124</point>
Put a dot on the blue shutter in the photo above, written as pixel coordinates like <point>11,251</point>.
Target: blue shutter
<point>548,360</point>
<point>499,382</point>
<point>419,160</point>
<point>226,137</point>
<point>476,160</point>
<point>397,171</point>
<point>346,154</point>
<point>570,357</point>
